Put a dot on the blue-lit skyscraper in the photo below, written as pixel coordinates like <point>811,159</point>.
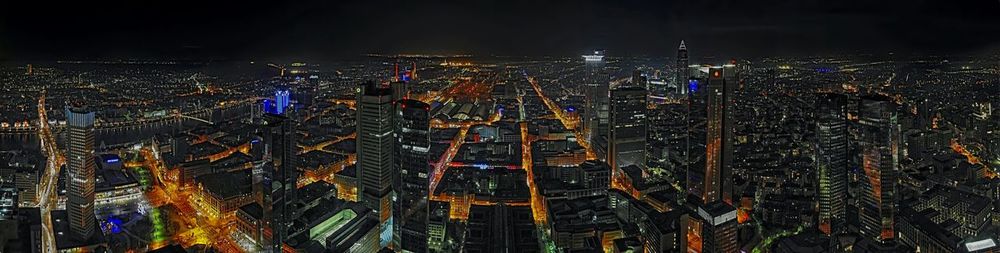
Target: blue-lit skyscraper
<point>282,98</point>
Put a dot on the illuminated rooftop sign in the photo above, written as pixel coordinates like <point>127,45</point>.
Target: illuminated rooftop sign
<point>593,58</point>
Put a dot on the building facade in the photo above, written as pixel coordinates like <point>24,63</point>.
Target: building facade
<point>879,159</point>
<point>627,133</point>
<point>80,164</point>
<point>831,162</point>
<point>413,164</point>
<point>376,146</point>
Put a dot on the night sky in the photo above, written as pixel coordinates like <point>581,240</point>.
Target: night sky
<point>323,30</point>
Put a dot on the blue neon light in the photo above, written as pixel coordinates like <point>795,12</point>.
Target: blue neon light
<point>268,106</point>
<point>693,86</point>
<point>114,225</point>
<point>282,98</point>
<point>111,160</point>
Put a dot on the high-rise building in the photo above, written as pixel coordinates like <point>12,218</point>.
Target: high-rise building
<point>627,135</point>
<point>280,179</point>
<point>597,83</point>
<point>831,161</point>
<point>282,98</point>
<point>879,159</point>
<point>413,164</point>
<point>717,228</point>
<point>80,176</point>
<point>709,160</point>
<point>682,72</point>
<point>375,148</point>
<point>710,177</point>
<point>400,90</point>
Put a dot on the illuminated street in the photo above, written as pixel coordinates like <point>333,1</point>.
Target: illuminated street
<point>500,126</point>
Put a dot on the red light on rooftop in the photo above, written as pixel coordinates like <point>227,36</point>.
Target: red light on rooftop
<point>716,74</point>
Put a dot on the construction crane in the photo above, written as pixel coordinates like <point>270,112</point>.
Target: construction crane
<point>280,68</point>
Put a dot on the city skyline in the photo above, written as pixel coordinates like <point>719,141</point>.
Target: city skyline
<point>501,126</point>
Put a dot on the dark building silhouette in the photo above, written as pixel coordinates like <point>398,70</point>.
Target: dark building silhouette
<point>627,135</point>
<point>879,160</point>
<point>413,181</point>
<point>280,179</point>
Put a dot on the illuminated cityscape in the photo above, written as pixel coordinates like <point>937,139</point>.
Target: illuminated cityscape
<point>501,126</point>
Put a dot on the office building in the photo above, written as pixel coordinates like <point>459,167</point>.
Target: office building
<point>80,165</point>
<point>879,160</point>
<point>375,147</point>
<point>280,179</point>
<point>682,73</point>
<point>710,173</point>
<point>282,99</point>
<point>400,90</point>
<point>627,135</point>
<point>709,160</point>
<point>597,83</point>
<point>718,227</point>
<point>413,164</point>
<point>831,161</point>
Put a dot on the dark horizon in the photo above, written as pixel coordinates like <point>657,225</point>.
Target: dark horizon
<point>317,30</point>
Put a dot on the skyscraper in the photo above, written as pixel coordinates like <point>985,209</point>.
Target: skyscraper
<point>80,165</point>
<point>280,178</point>
<point>375,145</point>
<point>400,90</point>
<point>682,72</point>
<point>879,159</point>
<point>627,136</point>
<point>709,160</point>
<point>710,179</point>
<point>831,161</point>
<point>412,161</point>
<point>597,83</point>
<point>282,98</point>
